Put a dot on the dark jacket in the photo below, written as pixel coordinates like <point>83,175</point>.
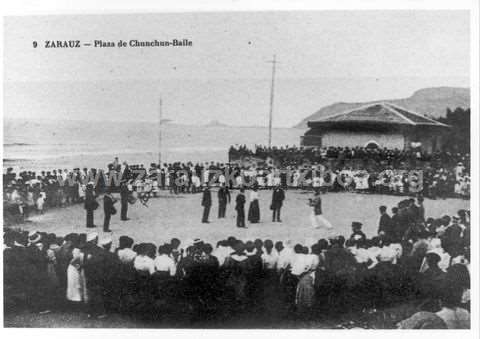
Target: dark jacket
<point>316,203</point>
<point>385,224</point>
<point>223,195</point>
<point>278,196</point>
<point>240,201</point>
<point>108,202</point>
<point>207,198</point>
<point>95,265</point>
<point>90,202</point>
<point>124,192</point>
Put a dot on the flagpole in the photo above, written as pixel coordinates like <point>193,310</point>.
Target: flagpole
<point>274,62</point>
<point>160,133</point>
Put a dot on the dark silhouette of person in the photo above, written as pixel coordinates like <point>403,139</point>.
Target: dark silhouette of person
<point>108,209</point>
<point>278,196</point>
<point>223,199</point>
<point>124,193</point>
<point>207,204</point>
<point>240,207</point>
<point>90,205</point>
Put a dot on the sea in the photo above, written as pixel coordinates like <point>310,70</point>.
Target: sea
<point>47,145</point>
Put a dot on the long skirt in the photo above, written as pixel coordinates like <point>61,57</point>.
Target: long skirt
<point>305,296</point>
<point>76,285</point>
<point>254,212</point>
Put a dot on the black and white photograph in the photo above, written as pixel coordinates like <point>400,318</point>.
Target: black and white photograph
<point>241,169</point>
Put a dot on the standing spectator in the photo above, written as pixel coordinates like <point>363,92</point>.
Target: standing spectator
<point>254,209</point>
<point>223,199</point>
<point>207,204</point>
<point>90,204</point>
<point>76,281</point>
<point>278,196</point>
<point>240,208</point>
<point>95,273</point>
<point>108,209</point>
<point>124,193</point>
<point>385,228</point>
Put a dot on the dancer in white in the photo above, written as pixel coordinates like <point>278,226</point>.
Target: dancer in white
<point>317,219</point>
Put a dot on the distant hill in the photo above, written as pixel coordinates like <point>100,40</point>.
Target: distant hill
<point>432,102</point>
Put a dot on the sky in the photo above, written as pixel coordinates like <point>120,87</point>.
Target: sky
<point>324,57</point>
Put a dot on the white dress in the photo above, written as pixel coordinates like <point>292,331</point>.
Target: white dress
<point>76,283</point>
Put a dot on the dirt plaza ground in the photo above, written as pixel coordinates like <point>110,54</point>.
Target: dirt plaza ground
<point>179,216</point>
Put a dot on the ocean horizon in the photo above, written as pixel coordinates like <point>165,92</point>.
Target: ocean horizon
<point>46,145</point>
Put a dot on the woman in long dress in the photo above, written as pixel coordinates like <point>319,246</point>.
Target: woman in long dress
<point>254,209</point>
<point>76,283</point>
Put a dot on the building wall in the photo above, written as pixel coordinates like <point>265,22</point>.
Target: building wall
<point>431,140</point>
<point>352,139</point>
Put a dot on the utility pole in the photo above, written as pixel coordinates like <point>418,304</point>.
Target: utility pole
<point>160,133</point>
<point>274,63</point>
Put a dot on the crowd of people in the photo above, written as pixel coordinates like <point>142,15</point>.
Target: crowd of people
<point>411,257</point>
<point>386,171</point>
<point>293,155</point>
<point>438,175</point>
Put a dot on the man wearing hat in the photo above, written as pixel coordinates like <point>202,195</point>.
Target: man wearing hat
<point>38,287</point>
<point>432,277</point>
<point>108,209</point>
<point>95,275</point>
<point>34,237</point>
<point>111,286</point>
<point>357,234</point>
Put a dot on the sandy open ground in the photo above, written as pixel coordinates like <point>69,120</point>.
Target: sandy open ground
<point>179,216</point>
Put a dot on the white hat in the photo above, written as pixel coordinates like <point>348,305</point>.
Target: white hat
<point>92,236</point>
<point>34,237</point>
<point>106,240</point>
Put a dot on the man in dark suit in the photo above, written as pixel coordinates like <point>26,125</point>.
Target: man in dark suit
<point>95,276</point>
<point>223,199</point>
<point>90,204</point>
<point>397,228</point>
<point>278,196</point>
<point>206,203</point>
<point>124,192</point>
<point>108,209</point>
<point>357,235</point>
<point>385,228</point>
<point>240,207</point>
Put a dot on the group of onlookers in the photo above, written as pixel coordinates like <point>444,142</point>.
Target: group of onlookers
<point>411,258</point>
<point>383,171</point>
<point>293,155</point>
<point>435,175</point>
